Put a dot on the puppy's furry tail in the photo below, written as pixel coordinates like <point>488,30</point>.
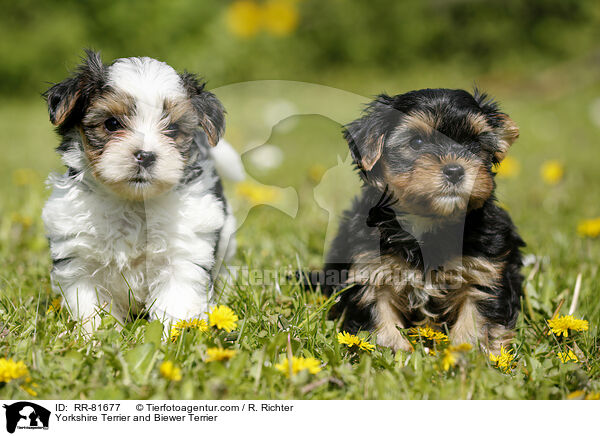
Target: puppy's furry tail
<point>228,161</point>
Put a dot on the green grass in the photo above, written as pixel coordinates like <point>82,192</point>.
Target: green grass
<point>553,111</point>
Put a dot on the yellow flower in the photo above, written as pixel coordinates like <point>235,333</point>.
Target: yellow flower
<point>508,168</point>
<point>317,299</point>
<point>552,172</point>
<point>569,356</point>
<point>311,364</point>
<point>244,18</point>
<point>581,395</point>
<point>316,171</point>
<point>29,389</point>
<point>504,361</point>
<point>448,359</point>
<point>427,333</point>
<point>428,337</point>
<point>11,370</point>
<point>218,353</point>
<point>562,324</point>
<point>55,306</point>
<point>196,323</point>
<point>346,338</point>
<point>590,228</point>
<point>280,17</point>
<point>255,193</point>
<point>223,318</point>
<point>169,371</point>
<point>24,176</point>
<point>24,220</point>
<point>576,395</point>
<point>450,356</point>
<point>462,347</point>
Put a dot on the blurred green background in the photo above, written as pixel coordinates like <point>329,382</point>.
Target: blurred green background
<point>307,40</point>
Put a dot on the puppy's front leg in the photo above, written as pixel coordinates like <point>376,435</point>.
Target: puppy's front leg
<point>387,322</point>
<point>85,303</point>
<point>472,327</point>
<point>183,292</point>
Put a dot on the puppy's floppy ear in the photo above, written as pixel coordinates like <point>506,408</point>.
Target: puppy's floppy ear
<point>67,99</point>
<point>62,99</point>
<point>210,110</point>
<point>366,135</point>
<point>505,128</point>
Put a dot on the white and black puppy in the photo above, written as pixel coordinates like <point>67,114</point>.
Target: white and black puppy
<point>139,220</point>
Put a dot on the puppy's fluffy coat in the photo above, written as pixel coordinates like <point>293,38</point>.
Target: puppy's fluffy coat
<point>425,242</point>
<point>139,220</point>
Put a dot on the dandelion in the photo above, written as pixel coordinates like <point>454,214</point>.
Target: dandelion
<point>504,361</point>
<point>255,193</point>
<point>218,353</point>
<point>280,17</point>
<point>317,299</point>
<point>310,364</point>
<point>562,324</point>
<point>508,168</point>
<point>223,318</point>
<point>427,335</point>
<point>569,356</point>
<point>589,228</point>
<point>552,172</point>
<point>55,306</point>
<point>581,395</point>
<point>24,176</point>
<point>448,359</point>
<point>29,389</point>
<point>24,220</point>
<point>11,370</point>
<point>170,371</point>
<point>316,171</point>
<point>196,323</point>
<point>244,18</point>
<point>451,354</point>
<point>346,338</point>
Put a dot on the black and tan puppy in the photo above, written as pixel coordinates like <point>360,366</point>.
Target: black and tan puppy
<point>425,242</point>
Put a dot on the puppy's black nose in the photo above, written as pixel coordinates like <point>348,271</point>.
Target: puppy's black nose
<point>144,158</point>
<point>454,172</point>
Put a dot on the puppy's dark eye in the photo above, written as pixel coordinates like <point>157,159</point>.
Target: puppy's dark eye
<point>416,143</point>
<point>172,130</point>
<point>112,124</point>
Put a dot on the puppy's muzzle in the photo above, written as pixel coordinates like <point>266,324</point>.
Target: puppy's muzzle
<point>453,172</point>
<point>145,159</point>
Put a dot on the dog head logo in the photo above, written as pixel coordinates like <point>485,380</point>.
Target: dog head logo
<point>26,415</point>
